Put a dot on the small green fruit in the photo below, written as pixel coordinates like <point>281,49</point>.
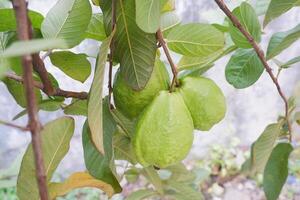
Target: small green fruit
<point>131,102</point>
<point>164,132</point>
<point>204,100</point>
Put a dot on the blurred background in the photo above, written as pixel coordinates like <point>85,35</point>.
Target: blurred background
<point>249,110</point>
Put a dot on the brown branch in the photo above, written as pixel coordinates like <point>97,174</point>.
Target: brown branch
<point>260,54</point>
<point>57,91</point>
<point>162,43</point>
<point>22,128</point>
<point>20,8</point>
<point>113,25</point>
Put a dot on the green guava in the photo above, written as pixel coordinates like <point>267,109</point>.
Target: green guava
<point>131,102</point>
<point>164,131</point>
<point>204,100</point>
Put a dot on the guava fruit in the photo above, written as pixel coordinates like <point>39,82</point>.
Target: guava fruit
<point>204,100</point>
<point>164,131</point>
<point>131,102</point>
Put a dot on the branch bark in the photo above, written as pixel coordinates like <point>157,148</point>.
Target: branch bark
<point>20,8</point>
<point>261,56</point>
<point>162,43</point>
<point>111,54</point>
<point>22,128</point>
<point>57,91</point>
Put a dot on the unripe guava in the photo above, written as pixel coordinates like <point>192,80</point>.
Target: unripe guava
<point>131,102</point>
<point>164,131</point>
<point>204,100</point>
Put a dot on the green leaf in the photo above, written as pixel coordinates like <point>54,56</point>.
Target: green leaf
<point>184,191</point>
<point>131,43</point>
<point>126,124</point>
<point>148,15</point>
<point>5,38</point>
<point>276,170</point>
<point>261,6</point>
<point>77,107</point>
<point>291,62</point>
<point>16,89</point>
<point>142,194</point>
<point>169,20</point>
<point>68,20</point>
<point>95,29</point>
<point>21,48</point>
<point>277,8</point>
<point>262,147</point>
<point>181,174</point>
<point>56,136</point>
<point>282,40</point>
<point>101,166</point>
<point>50,105</point>
<point>8,19</point>
<point>244,68</point>
<point>249,20</point>
<point>74,65</point>
<point>78,180</point>
<point>123,148</point>
<point>95,96</point>
<point>195,40</point>
<point>152,176</point>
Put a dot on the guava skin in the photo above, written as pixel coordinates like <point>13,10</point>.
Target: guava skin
<point>205,101</point>
<point>131,102</point>
<point>164,131</point>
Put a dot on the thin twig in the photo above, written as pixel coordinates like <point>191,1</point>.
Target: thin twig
<point>113,25</point>
<point>162,42</point>
<point>20,8</point>
<point>261,56</point>
<point>57,91</point>
<point>22,128</point>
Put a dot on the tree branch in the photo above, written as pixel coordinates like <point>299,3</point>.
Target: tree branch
<point>57,91</point>
<point>22,128</point>
<point>261,56</point>
<point>20,8</point>
<point>162,43</point>
<point>113,25</point>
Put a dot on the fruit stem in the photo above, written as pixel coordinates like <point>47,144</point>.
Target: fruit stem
<point>162,43</point>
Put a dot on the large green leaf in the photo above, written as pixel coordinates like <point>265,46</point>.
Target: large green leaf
<point>134,49</point>
<point>244,68</point>
<point>148,15</point>
<point>68,20</point>
<point>262,147</point>
<point>123,148</point>
<point>195,40</point>
<point>169,20</point>
<point>95,96</point>
<point>5,38</point>
<point>261,6</point>
<point>77,107</point>
<point>126,124</point>
<point>101,166</point>
<point>278,7</point>
<point>282,40</point>
<point>8,19</point>
<point>276,170</point>
<point>74,65</point>
<point>95,29</point>
<point>56,136</point>
<point>20,48</point>
<point>142,194</point>
<point>249,20</point>
<point>16,89</point>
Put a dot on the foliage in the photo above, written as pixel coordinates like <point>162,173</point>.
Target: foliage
<point>158,135</point>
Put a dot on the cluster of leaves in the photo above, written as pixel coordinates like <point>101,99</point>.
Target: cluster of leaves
<point>107,134</point>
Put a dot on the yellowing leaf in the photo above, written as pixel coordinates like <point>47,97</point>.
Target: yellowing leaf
<point>78,180</point>
<point>95,98</point>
